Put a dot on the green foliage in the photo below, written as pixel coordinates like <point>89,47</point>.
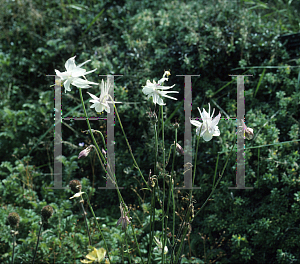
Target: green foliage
<point>141,39</point>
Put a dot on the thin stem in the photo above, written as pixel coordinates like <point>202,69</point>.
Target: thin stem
<point>220,177</point>
<point>156,149</point>
<point>152,211</point>
<point>106,247</point>
<point>171,187</point>
<point>96,145</point>
<point>134,161</point>
<point>195,162</point>
<point>152,223</point>
<point>85,220</point>
<point>37,243</point>
<point>214,188</point>
<point>258,152</point>
<point>14,241</point>
<point>216,169</point>
<point>127,249</point>
<point>88,123</point>
<point>164,181</point>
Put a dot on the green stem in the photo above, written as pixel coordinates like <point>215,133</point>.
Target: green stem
<point>171,188</point>
<point>127,249</point>
<point>85,220</point>
<point>99,152</point>
<point>213,189</point>
<point>195,162</point>
<point>152,211</point>
<point>164,181</point>
<point>14,242</point>
<point>135,163</point>
<point>88,123</point>
<point>216,170</point>
<point>220,177</point>
<point>106,247</point>
<point>37,243</point>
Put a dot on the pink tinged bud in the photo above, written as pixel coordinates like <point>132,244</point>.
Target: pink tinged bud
<point>85,152</point>
<point>103,152</point>
<point>179,149</point>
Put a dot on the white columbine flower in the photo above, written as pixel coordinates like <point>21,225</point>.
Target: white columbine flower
<point>71,76</point>
<point>100,104</point>
<point>154,90</point>
<point>209,127</point>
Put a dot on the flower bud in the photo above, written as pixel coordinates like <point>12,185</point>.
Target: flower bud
<point>153,117</point>
<point>179,149</point>
<point>176,125</point>
<point>85,152</point>
<point>249,133</point>
<point>75,186</point>
<point>13,219</point>
<point>47,212</point>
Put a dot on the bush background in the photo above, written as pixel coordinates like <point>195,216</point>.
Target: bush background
<point>141,39</point>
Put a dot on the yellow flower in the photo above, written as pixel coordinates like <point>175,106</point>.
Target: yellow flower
<point>95,256</point>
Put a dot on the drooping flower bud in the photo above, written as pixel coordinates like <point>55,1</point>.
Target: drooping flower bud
<point>249,133</point>
<point>179,149</point>
<point>85,152</point>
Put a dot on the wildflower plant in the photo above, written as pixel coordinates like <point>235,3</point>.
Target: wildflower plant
<point>13,220</point>
<point>166,198</point>
<point>46,213</point>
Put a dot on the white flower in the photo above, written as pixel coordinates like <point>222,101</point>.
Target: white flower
<point>159,246</point>
<point>101,103</point>
<point>209,127</point>
<point>154,90</point>
<point>71,76</point>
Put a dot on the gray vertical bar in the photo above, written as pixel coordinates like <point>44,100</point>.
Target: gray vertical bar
<point>188,178</point>
<point>110,135</point>
<point>240,166</point>
<point>57,137</point>
<point>110,138</point>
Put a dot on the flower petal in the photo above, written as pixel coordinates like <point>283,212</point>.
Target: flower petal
<point>207,136</point>
<point>93,96</point>
<point>70,64</point>
<point>196,123</point>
